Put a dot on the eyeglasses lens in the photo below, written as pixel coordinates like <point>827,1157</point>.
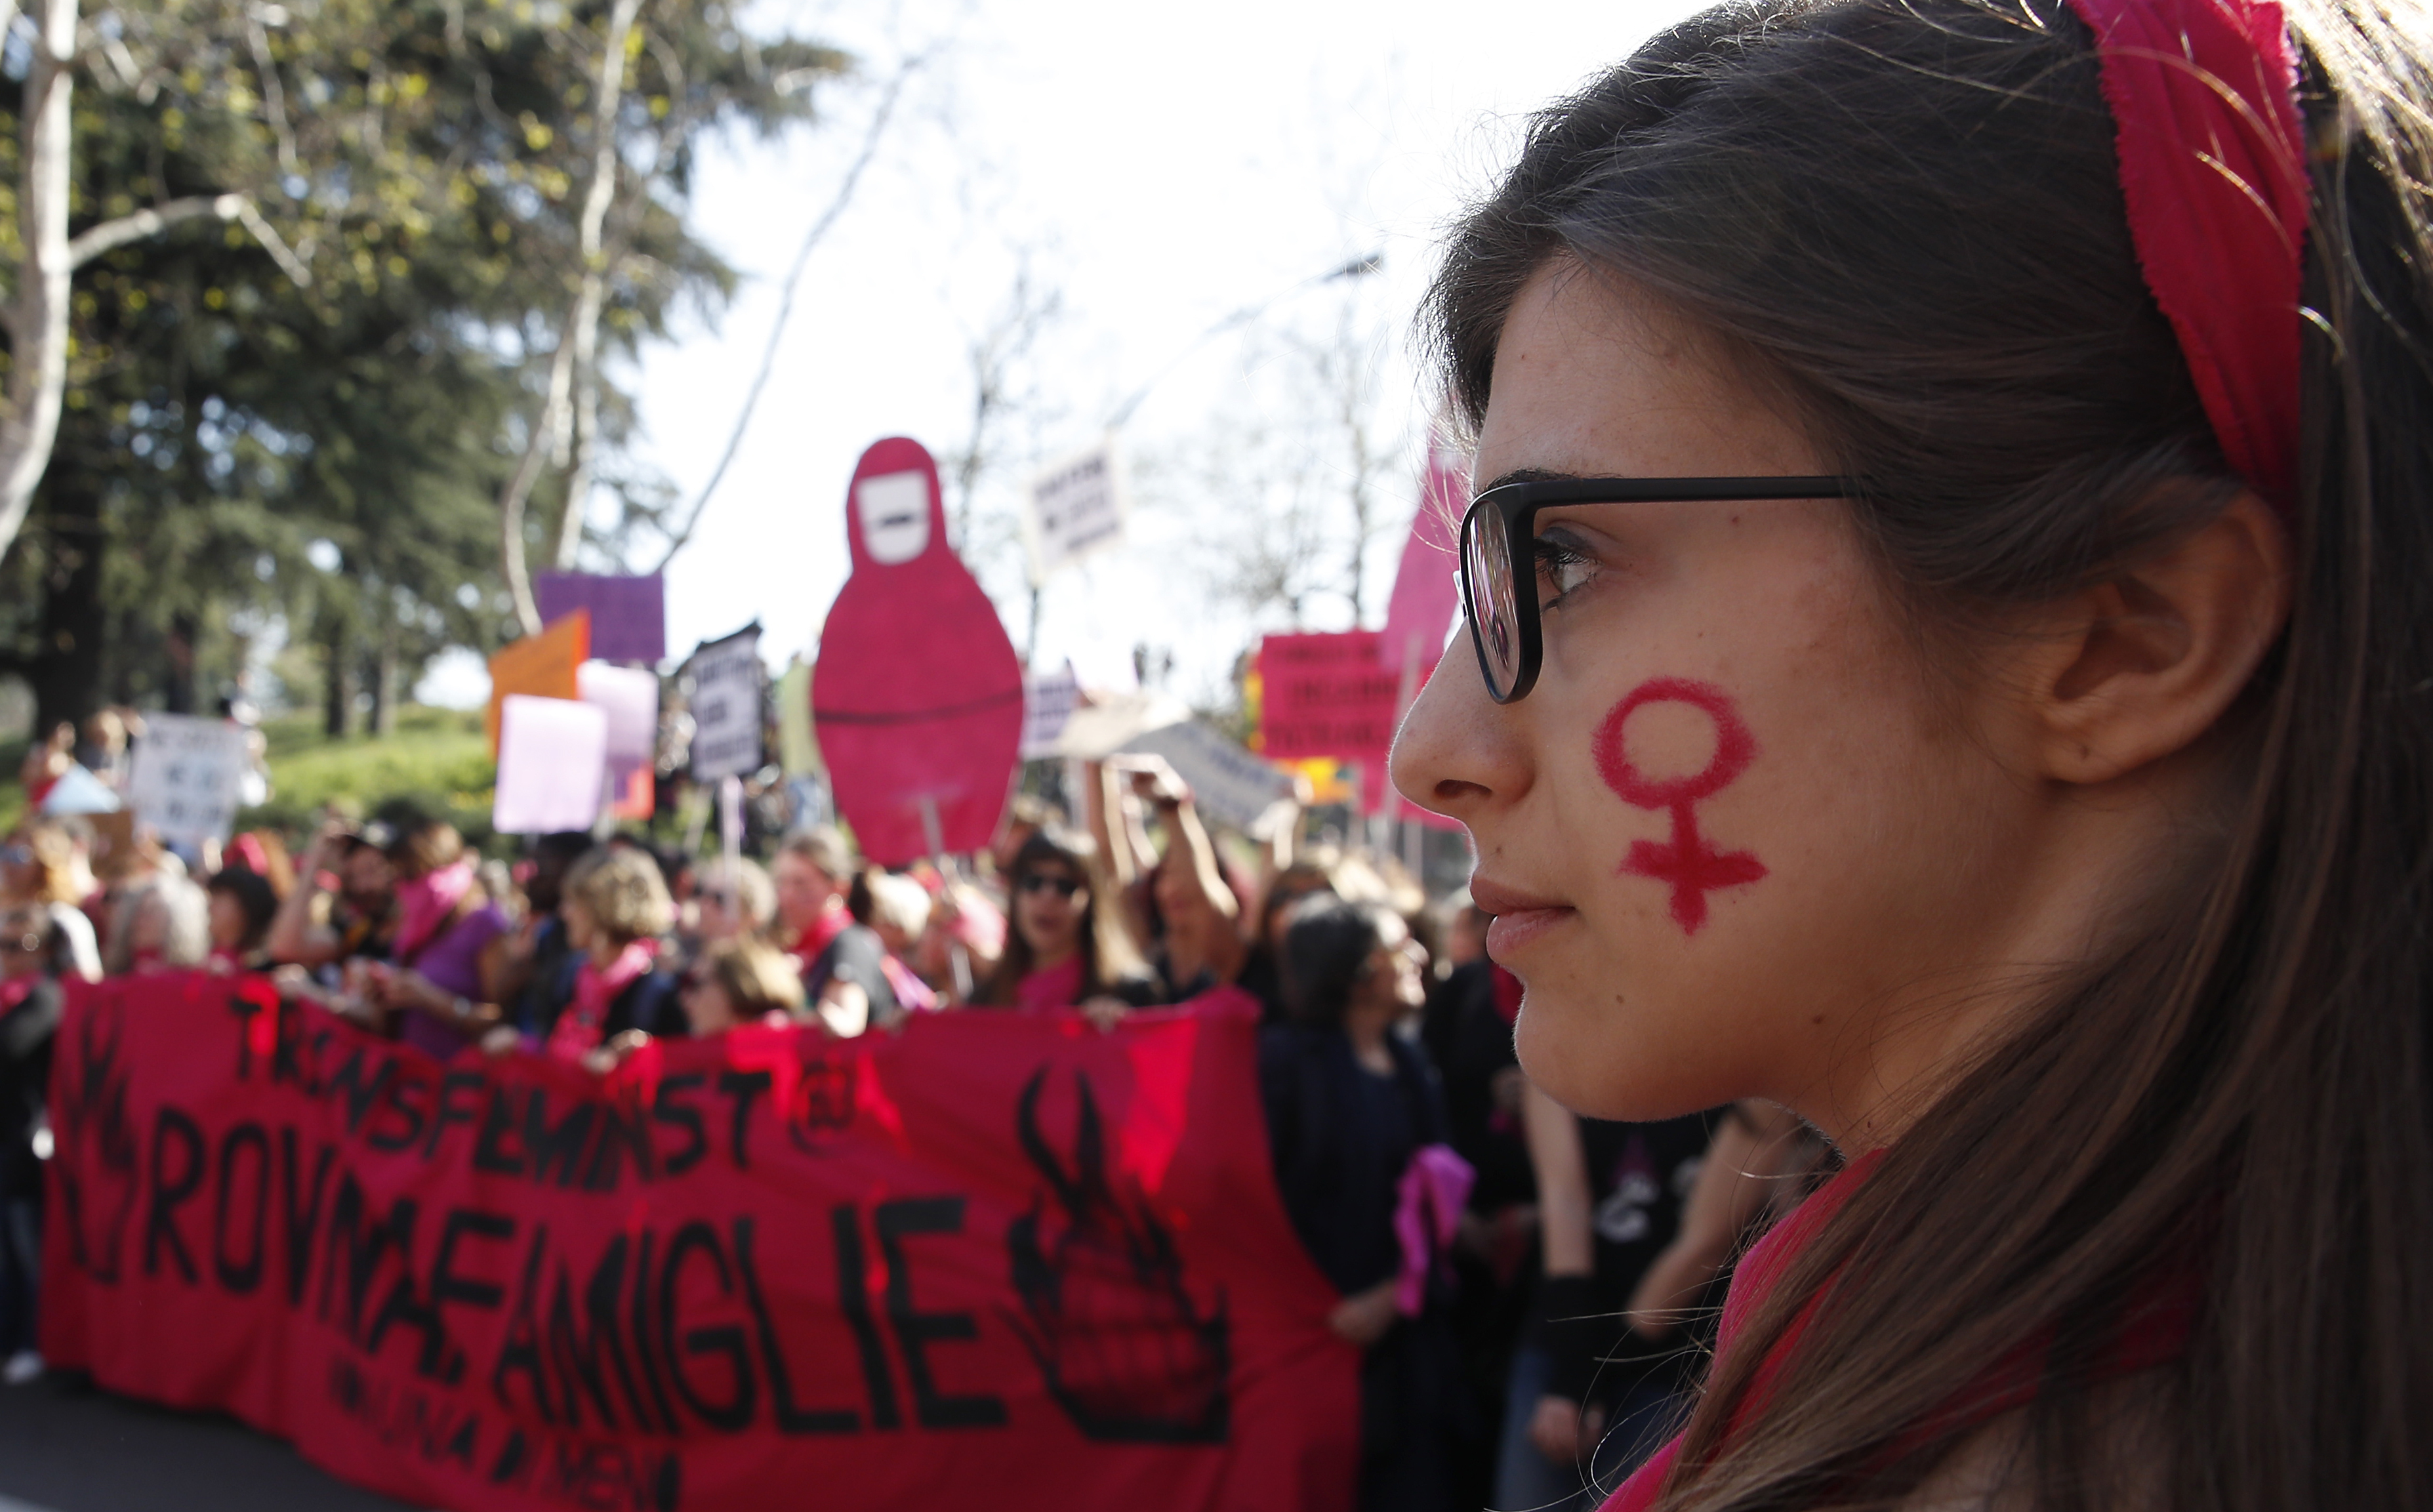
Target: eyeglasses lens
<point>1038,882</point>
<point>1488,597</point>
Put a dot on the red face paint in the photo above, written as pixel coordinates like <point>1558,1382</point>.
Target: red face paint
<point>1692,867</point>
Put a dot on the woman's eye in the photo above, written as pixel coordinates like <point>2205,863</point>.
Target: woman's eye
<point>1562,569</point>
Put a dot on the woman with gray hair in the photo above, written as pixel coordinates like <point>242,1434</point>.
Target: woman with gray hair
<point>161,922</point>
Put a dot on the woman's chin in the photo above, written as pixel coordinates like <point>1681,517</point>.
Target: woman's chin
<point>1577,1053</point>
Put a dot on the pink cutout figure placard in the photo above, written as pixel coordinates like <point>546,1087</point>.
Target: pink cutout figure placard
<point>1693,867</point>
<point>917,696</point>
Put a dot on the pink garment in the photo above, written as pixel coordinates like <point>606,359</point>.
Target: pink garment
<point>1428,1214</point>
<point>577,1031</point>
<point>1753,1281</point>
<point>425,904</point>
<point>913,994</point>
<point>2213,166</point>
<point>1051,986</point>
<point>247,851</point>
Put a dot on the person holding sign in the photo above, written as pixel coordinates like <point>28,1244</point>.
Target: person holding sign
<point>1065,946</point>
<point>1949,611</point>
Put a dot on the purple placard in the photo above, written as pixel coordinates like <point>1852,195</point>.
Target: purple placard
<point>629,615</point>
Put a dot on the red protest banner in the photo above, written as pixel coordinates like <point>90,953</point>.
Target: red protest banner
<point>996,1260</point>
<point>1328,695</point>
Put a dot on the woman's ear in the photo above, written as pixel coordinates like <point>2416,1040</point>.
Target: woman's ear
<point>2130,671</point>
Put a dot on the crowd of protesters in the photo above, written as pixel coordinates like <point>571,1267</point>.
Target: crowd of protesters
<point>1542,1347</point>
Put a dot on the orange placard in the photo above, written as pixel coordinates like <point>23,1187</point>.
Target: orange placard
<point>542,665</point>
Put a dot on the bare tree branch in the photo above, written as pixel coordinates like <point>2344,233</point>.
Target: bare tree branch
<point>551,435</point>
<point>113,234</point>
<point>38,315</point>
<point>144,224</point>
<point>274,95</point>
<point>819,227</point>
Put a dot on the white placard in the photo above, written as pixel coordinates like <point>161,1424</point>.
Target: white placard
<point>1100,730</point>
<point>187,777</point>
<point>1048,700</point>
<point>553,754</point>
<point>1229,783</point>
<point>1073,508</point>
<point>726,677</point>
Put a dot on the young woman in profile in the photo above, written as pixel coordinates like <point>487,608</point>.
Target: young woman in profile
<point>1953,614</point>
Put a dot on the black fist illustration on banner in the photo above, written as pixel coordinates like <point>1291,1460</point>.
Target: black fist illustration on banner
<point>95,1159</point>
<point>1105,1312</point>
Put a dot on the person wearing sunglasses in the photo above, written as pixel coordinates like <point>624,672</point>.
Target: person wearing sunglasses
<point>31,1005</point>
<point>740,980</point>
<point>1066,946</point>
<point>1948,653</point>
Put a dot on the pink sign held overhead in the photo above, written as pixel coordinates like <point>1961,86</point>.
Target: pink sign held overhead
<point>1426,596</point>
<point>917,696</point>
<point>1426,601</point>
<point>1326,695</point>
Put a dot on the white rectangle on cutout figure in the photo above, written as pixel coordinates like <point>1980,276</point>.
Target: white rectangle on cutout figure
<point>553,754</point>
<point>187,777</point>
<point>1074,507</point>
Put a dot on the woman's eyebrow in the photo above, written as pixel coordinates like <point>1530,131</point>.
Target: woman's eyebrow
<point>1533,475</point>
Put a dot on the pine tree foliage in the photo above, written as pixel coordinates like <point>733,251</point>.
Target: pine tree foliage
<point>320,446</point>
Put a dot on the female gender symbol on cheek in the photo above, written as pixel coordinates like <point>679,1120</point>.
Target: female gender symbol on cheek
<point>1693,867</point>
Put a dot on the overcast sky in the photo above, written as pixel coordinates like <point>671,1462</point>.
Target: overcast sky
<point>1160,167</point>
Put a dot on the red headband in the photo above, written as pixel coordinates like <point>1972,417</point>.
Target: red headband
<point>2213,166</point>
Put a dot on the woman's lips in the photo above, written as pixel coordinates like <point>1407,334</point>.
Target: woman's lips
<point>1520,917</point>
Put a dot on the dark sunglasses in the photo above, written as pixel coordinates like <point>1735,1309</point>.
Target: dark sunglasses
<point>1040,882</point>
<point>1500,528</point>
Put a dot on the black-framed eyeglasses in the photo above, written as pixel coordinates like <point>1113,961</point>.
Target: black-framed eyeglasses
<point>1041,882</point>
<point>1503,622</point>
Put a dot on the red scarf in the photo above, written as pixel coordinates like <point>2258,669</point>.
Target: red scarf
<point>833,921</point>
<point>2155,1333</point>
<point>576,1033</point>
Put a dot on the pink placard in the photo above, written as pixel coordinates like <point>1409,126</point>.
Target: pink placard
<point>553,757</point>
<point>630,698</point>
<point>1426,596</point>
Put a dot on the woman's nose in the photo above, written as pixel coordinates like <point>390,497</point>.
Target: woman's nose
<point>1457,753</point>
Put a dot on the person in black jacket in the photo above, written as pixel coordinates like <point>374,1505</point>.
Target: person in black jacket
<point>1349,1102</point>
<point>29,1019</point>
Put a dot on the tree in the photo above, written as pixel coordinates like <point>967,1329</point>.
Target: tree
<point>328,456</point>
<point>36,315</point>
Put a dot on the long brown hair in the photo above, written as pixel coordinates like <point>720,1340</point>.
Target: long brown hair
<point>1905,215</point>
<point>1107,954</point>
